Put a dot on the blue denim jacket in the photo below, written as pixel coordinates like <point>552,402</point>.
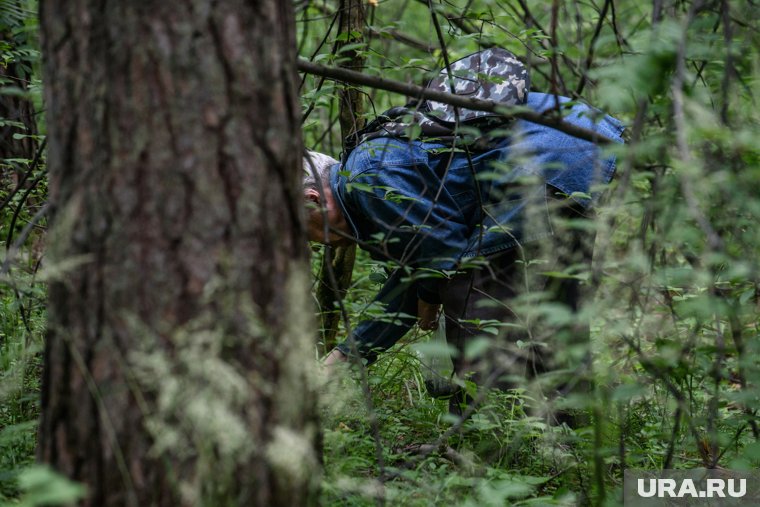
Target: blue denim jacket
<point>428,208</point>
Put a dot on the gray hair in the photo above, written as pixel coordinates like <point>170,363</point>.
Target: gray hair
<point>316,168</point>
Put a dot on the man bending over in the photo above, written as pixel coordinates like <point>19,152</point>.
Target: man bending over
<point>487,237</point>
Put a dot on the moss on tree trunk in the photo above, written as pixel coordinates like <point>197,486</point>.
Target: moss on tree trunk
<point>177,352</point>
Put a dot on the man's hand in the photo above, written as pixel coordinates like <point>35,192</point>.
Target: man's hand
<point>335,357</point>
<point>427,315</point>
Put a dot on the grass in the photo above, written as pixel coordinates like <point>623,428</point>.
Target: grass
<point>20,368</point>
<point>509,458</point>
<point>500,456</point>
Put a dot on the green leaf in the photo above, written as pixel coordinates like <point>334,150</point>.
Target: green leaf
<point>414,131</point>
<point>377,277</point>
<point>43,486</point>
<point>563,275</point>
<point>12,433</point>
<point>746,296</point>
<point>476,348</point>
<point>15,91</point>
<point>10,123</point>
<point>435,348</point>
<point>626,392</point>
<point>752,451</point>
<point>355,46</point>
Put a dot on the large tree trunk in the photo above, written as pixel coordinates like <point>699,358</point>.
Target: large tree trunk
<point>178,347</point>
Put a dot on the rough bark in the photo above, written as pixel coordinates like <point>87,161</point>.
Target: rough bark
<point>177,355</point>
<point>352,21</point>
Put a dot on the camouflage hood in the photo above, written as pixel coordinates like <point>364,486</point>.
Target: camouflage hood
<point>492,74</point>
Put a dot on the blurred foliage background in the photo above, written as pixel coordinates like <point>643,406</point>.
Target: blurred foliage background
<point>675,319</point>
<point>23,193</point>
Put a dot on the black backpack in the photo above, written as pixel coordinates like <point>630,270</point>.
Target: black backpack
<point>491,74</point>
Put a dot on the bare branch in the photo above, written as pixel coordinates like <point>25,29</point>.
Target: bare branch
<point>412,90</point>
<point>590,54</point>
<point>684,153</point>
<point>403,38</point>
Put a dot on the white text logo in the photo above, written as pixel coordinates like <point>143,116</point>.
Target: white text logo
<point>714,488</point>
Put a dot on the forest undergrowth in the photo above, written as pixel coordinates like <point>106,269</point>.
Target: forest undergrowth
<point>674,321</point>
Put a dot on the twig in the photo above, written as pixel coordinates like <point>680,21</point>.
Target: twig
<point>447,452</point>
<point>18,209</point>
<point>623,416</point>
<point>713,239</point>
<point>729,64</point>
<point>403,38</point>
<point>713,406</point>
<point>11,254</point>
<point>13,249</point>
<point>555,75</point>
<point>651,368</point>
<point>529,18</point>
<point>28,173</point>
<point>471,408</point>
<point>308,111</point>
<point>590,54</point>
<point>736,336</point>
<point>455,20</point>
<point>673,436</point>
<point>621,41</point>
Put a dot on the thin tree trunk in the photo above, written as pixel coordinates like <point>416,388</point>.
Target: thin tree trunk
<point>352,22</point>
<point>178,349</point>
